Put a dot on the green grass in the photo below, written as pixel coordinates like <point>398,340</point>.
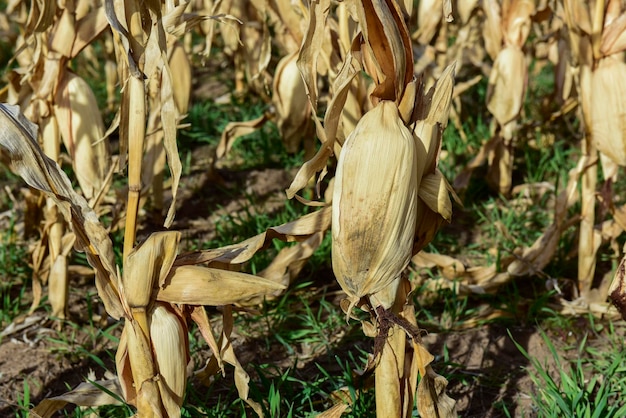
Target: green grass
<point>14,276</point>
<point>262,148</point>
<point>591,385</point>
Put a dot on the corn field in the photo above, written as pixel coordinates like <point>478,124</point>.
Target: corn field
<point>402,117</point>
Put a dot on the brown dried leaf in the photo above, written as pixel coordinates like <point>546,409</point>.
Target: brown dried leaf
<point>492,29</point>
<point>64,35</point>
<point>311,48</point>
<point>387,54</point>
<point>516,21</point>
<point>288,263</point>
<point>614,36</point>
<point>89,28</point>
<point>328,133</point>
<point>169,119</point>
<point>40,16</point>
<point>429,15</point>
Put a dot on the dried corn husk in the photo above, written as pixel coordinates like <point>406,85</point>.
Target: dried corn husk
<point>293,109</point>
<point>608,107</point>
<point>171,352</point>
<point>507,84</point>
<point>82,130</point>
<point>374,205</point>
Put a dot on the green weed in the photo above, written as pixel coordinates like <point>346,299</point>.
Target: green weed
<point>589,386</point>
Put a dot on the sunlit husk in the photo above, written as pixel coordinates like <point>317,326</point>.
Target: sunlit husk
<point>197,285</point>
<point>507,84</point>
<point>293,109</point>
<point>608,109</point>
<point>82,131</point>
<point>374,205</point>
<point>169,343</point>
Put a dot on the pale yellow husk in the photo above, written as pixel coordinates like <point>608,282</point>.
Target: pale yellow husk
<point>374,205</point>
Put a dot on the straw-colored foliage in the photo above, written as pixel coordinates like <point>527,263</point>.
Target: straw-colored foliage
<point>382,76</point>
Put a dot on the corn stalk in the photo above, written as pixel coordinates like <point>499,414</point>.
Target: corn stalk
<point>378,194</point>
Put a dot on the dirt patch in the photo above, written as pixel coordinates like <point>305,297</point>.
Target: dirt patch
<point>487,372</point>
<point>44,371</point>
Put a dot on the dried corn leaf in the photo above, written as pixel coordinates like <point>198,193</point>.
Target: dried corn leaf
<point>40,16</point>
<point>298,230</point>
<point>311,48</point>
<point>536,257</point>
<point>226,354</point>
<point>235,130</point>
<point>516,21</point>
<point>614,36</point>
<point>432,399</point>
<point>199,316</point>
<point>64,34</point>
<point>578,16</point>
<point>429,15</point>
<point>39,172</point>
<point>492,29</point>
<point>121,36</point>
<point>96,393</point>
<point>451,268</point>
<point>327,134</point>
<point>89,28</point>
<point>195,285</point>
<point>148,265</point>
<point>434,192</point>
<point>288,263</point>
<point>387,53</point>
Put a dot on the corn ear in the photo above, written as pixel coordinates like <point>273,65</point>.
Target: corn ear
<point>608,87</point>
<point>507,84</point>
<point>292,105</point>
<point>374,205</point>
<point>82,130</point>
<point>169,341</point>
